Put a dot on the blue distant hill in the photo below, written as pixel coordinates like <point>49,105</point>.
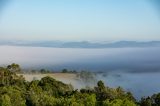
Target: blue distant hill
<point>83,44</point>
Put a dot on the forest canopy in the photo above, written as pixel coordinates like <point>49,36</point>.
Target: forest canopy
<point>16,91</point>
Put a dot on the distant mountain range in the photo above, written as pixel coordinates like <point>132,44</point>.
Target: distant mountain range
<point>83,44</point>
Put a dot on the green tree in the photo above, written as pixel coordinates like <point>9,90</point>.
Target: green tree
<point>17,97</point>
<point>64,71</point>
<point>14,67</point>
<point>90,100</point>
<point>101,85</point>
<point>56,88</point>
<point>5,100</point>
<point>157,99</point>
<point>146,101</point>
<point>87,77</point>
<point>118,102</point>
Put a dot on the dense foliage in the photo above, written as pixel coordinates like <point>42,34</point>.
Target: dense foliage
<point>16,91</point>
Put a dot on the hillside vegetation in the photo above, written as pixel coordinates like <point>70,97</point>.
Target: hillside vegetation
<point>16,91</point>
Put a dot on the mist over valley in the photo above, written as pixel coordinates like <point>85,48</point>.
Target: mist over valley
<point>126,67</point>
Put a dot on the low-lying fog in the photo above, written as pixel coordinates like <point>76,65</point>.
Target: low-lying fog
<point>135,69</point>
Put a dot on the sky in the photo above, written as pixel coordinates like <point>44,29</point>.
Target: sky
<point>79,20</point>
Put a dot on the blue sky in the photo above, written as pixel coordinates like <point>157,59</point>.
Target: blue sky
<point>79,20</point>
